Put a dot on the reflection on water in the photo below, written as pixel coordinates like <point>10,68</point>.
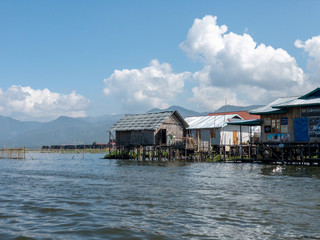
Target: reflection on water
<point>76,196</point>
<point>121,162</point>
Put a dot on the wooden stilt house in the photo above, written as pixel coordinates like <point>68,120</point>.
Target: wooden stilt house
<point>291,119</point>
<point>149,129</point>
<point>214,130</point>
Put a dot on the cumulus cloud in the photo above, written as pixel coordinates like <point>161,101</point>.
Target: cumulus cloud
<point>209,97</point>
<point>139,89</point>
<point>237,68</point>
<point>25,103</point>
<point>312,47</point>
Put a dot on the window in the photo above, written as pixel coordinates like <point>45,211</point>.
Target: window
<point>278,126</point>
<point>275,126</point>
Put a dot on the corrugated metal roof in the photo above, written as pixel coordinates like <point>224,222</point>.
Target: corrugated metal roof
<point>309,99</point>
<point>299,102</point>
<point>147,121</point>
<point>204,122</point>
<point>315,94</point>
<point>269,108</point>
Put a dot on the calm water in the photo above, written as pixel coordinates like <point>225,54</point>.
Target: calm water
<point>66,196</point>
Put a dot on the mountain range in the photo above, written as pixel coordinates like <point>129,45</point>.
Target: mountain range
<point>63,130</point>
<point>188,113</point>
<point>67,130</point>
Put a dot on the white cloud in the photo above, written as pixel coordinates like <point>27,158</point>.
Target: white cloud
<point>213,97</point>
<point>312,47</point>
<point>237,68</point>
<point>25,103</point>
<point>139,89</point>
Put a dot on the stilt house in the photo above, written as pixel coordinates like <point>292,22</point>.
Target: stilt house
<point>291,119</point>
<point>150,129</point>
<point>215,131</point>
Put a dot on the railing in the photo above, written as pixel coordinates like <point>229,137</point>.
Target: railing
<point>191,144</point>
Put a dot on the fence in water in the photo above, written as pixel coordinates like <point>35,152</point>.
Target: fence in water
<point>13,153</point>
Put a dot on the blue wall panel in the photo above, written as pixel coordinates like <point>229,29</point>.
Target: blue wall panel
<point>301,129</point>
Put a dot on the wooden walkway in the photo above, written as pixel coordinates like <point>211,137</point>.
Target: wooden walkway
<point>262,153</point>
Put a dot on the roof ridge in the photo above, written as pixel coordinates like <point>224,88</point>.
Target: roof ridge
<point>133,114</point>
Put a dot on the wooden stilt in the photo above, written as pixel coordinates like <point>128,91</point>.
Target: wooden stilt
<point>159,153</point>
<point>144,153</point>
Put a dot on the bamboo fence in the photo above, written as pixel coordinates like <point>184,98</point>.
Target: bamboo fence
<point>13,153</point>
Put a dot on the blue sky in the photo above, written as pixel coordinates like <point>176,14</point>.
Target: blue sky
<point>88,58</point>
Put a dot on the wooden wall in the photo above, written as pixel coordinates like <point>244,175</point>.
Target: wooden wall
<point>291,114</point>
<point>172,126</point>
<point>148,137</point>
<point>123,138</point>
<point>223,136</point>
<point>135,138</point>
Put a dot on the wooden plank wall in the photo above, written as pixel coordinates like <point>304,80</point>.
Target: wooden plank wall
<point>291,114</point>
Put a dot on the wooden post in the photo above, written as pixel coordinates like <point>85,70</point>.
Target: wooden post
<point>250,139</point>
<point>167,154</point>
<point>117,150</point>
<point>198,138</point>
<point>138,153</point>
<point>241,153</point>
<point>153,153</point>
<point>84,149</point>
<point>185,150</point>
<point>109,142</point>
<point>159,153</point>
<point>209,150</point>
<point>144,153</point>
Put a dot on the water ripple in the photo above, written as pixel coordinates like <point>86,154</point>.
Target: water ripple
<point>62,196</point>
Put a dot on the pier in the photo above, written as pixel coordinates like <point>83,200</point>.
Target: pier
<point>306,154</point>
<point>272,153</point>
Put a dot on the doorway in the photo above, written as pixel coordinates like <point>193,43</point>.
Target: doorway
<point>235,137</point>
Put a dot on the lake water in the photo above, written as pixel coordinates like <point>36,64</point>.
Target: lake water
<point>76,196</point>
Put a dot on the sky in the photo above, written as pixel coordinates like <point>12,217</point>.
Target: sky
<point>90,58</point>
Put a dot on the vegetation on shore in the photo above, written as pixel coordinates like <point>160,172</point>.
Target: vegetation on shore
<point>66,151</point>
<point>123,155</point>
<point>133,154</point>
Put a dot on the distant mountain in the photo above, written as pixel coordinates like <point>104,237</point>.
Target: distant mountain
<point>187,113</point>
<point>232,108</point>
<point>183,111</point>
<point>64,130</point>
<point>10,128</point>
<point>67,130</point>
